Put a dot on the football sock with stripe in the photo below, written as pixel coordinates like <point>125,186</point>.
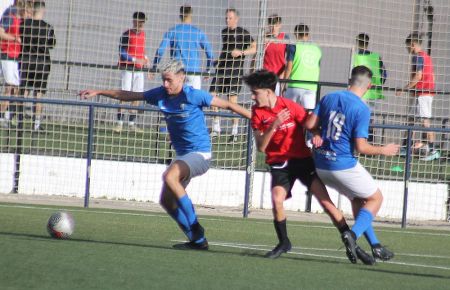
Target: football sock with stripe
<point>362,222</point>
<point>185,204</point>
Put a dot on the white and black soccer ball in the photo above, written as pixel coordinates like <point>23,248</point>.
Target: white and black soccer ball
<point>61,225</point>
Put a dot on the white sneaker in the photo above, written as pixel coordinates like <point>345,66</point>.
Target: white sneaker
<point>118,128</point>
<point>4,123</point>
<point>435,154</point>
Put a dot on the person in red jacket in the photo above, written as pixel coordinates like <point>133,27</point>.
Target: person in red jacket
<point>132,59</point>
<point>10,46</point>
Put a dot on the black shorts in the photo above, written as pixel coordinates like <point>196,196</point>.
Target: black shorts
<point>34,76</point>
<point>285,174</point>
<point>227,83</point>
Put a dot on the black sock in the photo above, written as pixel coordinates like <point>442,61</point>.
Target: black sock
<point>281,230</point>
<point>431,146</point>
<point>119,116</point>
<point>2,115</point>
<point>344,228</point>
<point>132,117</point>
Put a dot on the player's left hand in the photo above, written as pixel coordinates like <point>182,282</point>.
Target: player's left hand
<point>317,140</point>
<point>86,94</point>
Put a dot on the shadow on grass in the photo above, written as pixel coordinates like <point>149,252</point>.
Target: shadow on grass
<point>245,253</point>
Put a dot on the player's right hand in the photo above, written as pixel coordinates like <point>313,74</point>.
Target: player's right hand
<point>86,94</point>
<point>282,116</point>
<point>390,149</point>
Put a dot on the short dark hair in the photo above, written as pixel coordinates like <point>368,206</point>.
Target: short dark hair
<point>301,30</point>
<point>363,39</point>
<point>185,10</point>
<point>140,16</point>
<point>414,37</point>
<point>360,75</point>
<point>38,5</point>
<point>274,19</point>
<point>234,10</point>
<point>262,79</point>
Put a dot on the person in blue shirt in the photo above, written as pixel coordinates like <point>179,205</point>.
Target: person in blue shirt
<point>186,41</point>
<point>343,119</point>
<point>182,108</point>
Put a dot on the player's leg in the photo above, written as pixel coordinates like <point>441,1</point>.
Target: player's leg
<point>216,88</point>
<point>126,85</point>
<point>137,86</point>
<point>11,76</point>
<point>235,84</point>
<point>425,112</point>
<point>175,179</point>
<point>39,89</point>
<point>281,185</point>
<point>378,251</point>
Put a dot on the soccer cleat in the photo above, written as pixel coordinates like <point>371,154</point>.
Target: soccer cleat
<point>214,134</point>
<point>435,154</point>
<point>349,239</point>
<point>136,129</point>
<point>402,152</point>
<point>278,250</point>
<point>4,123</point>
<point>364,256</point>
<point>118,128</point>
<point>203,246</point>
<point>39,129</point>
<point>198,232</point>
<point>233,138</point>
<point>382,253</point>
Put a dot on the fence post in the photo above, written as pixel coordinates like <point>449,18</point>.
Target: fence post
<point>89,155</point>
<point>407,177</point>
<point>249,169</point>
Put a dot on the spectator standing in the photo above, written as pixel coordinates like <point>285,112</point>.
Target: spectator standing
<point>275,49</point>
<point>38,37</point>
<point>303,64</point>
<point>10,52</point>
<point>421,87</point>
<point>186,41</point>
<point>132,59</point>
<point>237,43</point>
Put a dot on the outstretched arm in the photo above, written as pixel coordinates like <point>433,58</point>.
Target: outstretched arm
<point>224,104</point>
<point>113,94</point>
<point>363,147</point>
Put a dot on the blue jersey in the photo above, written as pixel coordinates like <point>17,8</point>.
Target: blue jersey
<point>184,117</point>
<point>343,116</point>
<point>186,41</point>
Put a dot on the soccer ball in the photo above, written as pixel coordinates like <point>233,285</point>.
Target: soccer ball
<point>61,225</point>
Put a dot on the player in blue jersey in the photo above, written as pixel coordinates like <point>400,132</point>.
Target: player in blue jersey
<point>182,107</point>
<point>343,119</point>
<point>186,41</point>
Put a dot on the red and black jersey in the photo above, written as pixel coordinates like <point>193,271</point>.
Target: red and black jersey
<point>132,45</point>
<point>288,141</point>
<point>11,48</point>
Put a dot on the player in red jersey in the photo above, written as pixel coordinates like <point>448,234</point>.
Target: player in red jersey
<point>277,125</point>
<point>132,59</point>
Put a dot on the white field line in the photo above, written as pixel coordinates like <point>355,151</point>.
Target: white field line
<point>210,219</point>
<point>302,253</point>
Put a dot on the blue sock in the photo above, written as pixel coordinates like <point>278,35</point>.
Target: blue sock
<point>362,222</point>
<point>182,221</point>
<point>371,237</point>
<point>185,204</point>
